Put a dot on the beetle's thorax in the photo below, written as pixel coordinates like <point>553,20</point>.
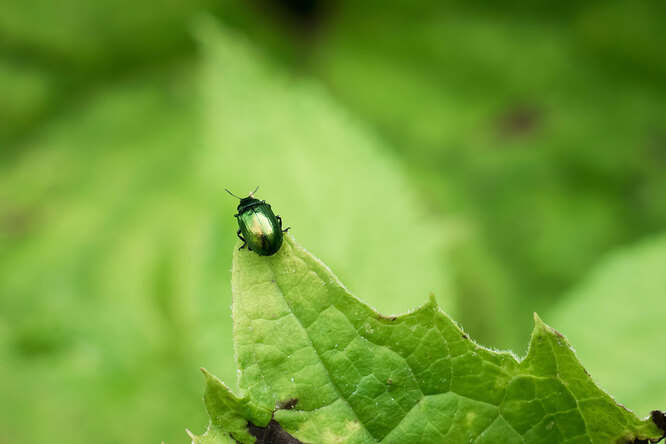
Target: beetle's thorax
<point>248,202</point>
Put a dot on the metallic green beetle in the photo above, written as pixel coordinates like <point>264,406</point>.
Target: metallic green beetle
<point>261,229</point>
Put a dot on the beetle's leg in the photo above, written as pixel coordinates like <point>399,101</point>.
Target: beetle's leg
<point>280,222</point>
<point>238,233</point>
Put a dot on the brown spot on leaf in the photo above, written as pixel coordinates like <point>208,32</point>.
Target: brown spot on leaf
<point>557,333</point>
<point>288,404</point>
<point>659,418</point>
<point>273,433</point>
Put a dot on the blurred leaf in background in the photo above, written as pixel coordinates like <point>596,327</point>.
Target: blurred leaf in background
<point>549,146</point>
<point>53,52</point>
<point>490,153</point>
<point>101,271</point>
<point>335,183</point>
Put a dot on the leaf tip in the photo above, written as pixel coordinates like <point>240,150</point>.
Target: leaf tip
<point>429,306</point>
<point>538,323</point>
<point>432,300</point>
<point>541,328</point>
<point>211,380</point>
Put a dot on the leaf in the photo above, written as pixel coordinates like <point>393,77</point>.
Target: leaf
<point>228,411</point>
<point>616,319</point>
<point>334,370</point>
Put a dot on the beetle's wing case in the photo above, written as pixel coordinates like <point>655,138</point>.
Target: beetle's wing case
<point>260,227</point>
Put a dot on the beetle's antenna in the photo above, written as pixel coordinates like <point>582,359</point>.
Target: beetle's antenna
<point>255,190</point>
<point>232,193</point>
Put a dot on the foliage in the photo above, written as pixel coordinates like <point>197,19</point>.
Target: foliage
<point>616,319</point>
<point>490,153</point>
<point>509,125</point>
<point>328,368</point>
<point>115,228</point>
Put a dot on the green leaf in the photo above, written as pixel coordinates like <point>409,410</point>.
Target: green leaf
<point>228,411</point>
<point>214,435</point>
<point>332,369</point>
<point>616,319</point>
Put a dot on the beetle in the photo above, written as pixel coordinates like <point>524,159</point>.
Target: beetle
<point>258,227</point>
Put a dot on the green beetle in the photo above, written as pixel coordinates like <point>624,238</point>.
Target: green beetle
<point>259,228</point>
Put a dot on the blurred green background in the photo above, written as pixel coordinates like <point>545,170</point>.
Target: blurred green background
<point>509,158</point>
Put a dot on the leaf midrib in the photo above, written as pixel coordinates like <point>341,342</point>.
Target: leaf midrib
<point>323,364</point>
